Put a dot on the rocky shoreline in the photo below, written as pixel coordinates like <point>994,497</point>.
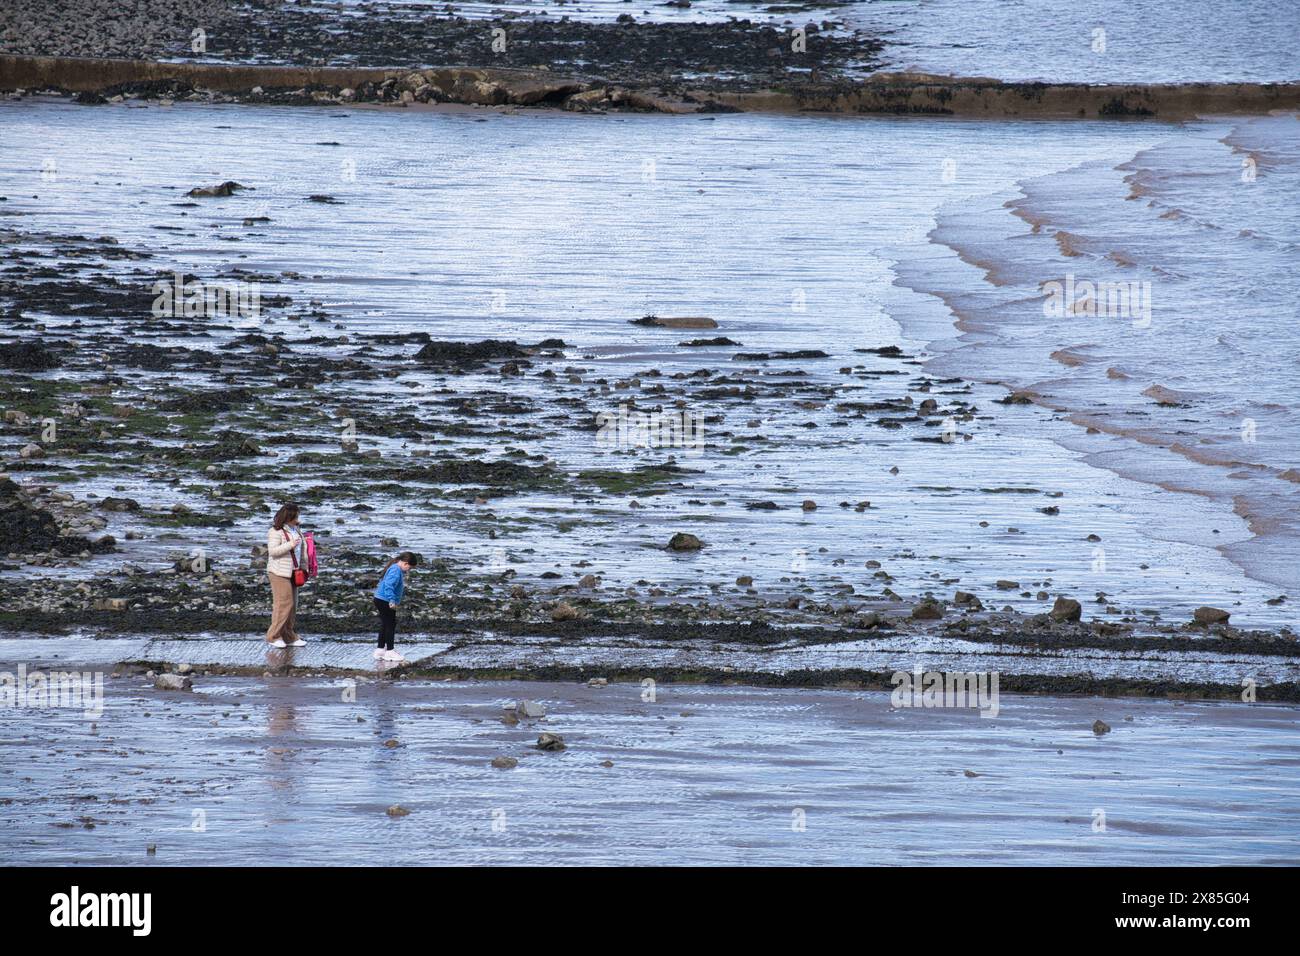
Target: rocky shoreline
<point>142,423</point>
<point>627,51</point>
<point>791,58</point>
<point>95,82</point>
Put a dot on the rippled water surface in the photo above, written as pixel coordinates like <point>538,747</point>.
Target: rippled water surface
<point>248,771</point>
<point>1084,41</point>
<point>794,233</point>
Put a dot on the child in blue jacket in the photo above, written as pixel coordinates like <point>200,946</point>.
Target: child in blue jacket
<point>387,596</point>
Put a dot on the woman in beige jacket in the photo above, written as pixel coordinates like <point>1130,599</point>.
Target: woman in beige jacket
<point>282,543</point>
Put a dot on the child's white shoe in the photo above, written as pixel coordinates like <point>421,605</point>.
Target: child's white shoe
<point>380,654</point>
<point>277,643</point>
<point>393,656</point>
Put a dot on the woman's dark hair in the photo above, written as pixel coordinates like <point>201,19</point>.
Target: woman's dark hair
<point>286,513</point>
<point>410,557</point>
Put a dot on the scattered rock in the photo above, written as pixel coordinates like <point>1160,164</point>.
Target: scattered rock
<point>172,682</point>
<point>119,504</point>
<point>550,742</point>
<point>1065,609</point>
<point>1205,616</point>
<point>26,357</point>
<point>1016,398</point>
<point>927,611</point>
<point>684,542</point>
<point>530,708</point>
<point>563,611</point>
<point>397,810</point>
<point>677,322</point>
<point>228,188</point>
<point>868,619</point>
<point>505,763</point>
<point>1100,727</point>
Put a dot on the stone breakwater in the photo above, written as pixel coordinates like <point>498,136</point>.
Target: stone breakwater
<point>100,80</point>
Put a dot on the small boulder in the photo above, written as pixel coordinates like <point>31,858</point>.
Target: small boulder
<point>1065,609</point>
<point>927,611</point>
<point>550,742</point>
<point>119,504</point>
<point>677,322</point>
<point>397,810</point>
<point>530,708</point>
<point>505,763</point>
<point>684,542</point>
<point>1205,616</point>
<point>228,188</point>
<point>1100,727</point>
<point>172,682</point>
<point>564,611</point>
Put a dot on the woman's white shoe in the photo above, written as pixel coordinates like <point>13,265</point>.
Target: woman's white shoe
<point>299,643</point>
<point>277,643</point>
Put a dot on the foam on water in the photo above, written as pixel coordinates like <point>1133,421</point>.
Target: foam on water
<point>1198,395</point>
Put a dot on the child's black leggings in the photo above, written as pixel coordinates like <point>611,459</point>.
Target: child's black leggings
<point>387,623</point>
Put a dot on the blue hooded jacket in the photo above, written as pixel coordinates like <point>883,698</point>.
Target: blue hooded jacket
<point>391,585</point>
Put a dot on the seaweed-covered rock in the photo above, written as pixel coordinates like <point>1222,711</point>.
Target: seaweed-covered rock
<point>28,356</point>
<point>682,541</point>
<point>468,353</point>
<point>1206,616</point>
<point>230,444</point>
<point>228,188</point>
<point>1066,609</point>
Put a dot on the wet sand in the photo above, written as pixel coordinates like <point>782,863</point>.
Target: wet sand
<point>251,770</point>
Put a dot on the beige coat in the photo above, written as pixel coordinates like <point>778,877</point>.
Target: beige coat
<point>279,559</point>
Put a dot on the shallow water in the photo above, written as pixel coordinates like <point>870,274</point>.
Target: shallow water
<point>1204,223</point>
<point>1050,40</point>
<point>246,771</point>
<point>793,232</point>
<point>484,650</point>
<point>1055,40</point>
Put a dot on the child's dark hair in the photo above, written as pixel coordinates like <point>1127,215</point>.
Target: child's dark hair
<point>410,557</point>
